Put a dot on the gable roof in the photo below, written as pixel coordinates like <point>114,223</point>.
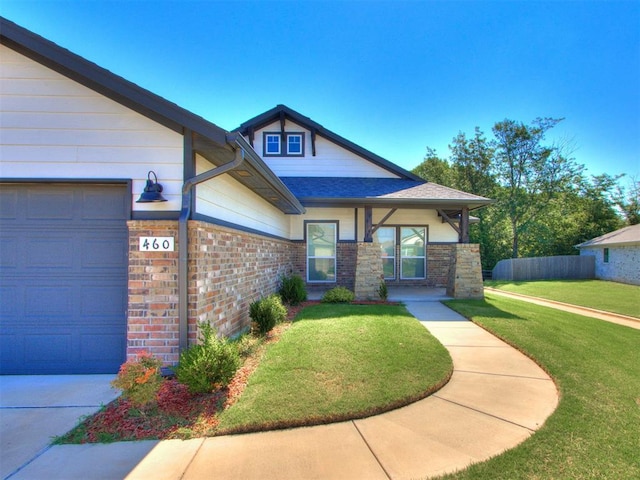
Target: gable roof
<point>212,142</point>
<point>283,112</point>
<point>624,236</point>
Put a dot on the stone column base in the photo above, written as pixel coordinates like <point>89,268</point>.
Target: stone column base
<point>465,274</point>
<point>369,271</point>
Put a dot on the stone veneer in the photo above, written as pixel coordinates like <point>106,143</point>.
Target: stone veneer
<point>369,271</point>
<point>465,274</point>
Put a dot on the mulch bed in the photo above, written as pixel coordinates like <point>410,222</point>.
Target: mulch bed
<point>178,413</point>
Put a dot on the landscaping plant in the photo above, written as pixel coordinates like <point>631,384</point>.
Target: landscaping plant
<point>208,365</point>
<point>292,290</point>
<point>139,379</point>
<point>338,295</point>
<point>267,312</point>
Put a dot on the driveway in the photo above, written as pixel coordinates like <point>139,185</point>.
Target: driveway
<point>35,408</point>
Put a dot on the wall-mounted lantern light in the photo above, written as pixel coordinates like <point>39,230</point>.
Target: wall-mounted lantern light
<point>152,191</point>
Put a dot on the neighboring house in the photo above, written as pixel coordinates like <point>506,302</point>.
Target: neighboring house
<point>617,255</point>
<point>89,275</point>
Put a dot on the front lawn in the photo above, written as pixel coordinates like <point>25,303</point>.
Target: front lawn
<point>598,294</point>
<point>340,362</point>
<point>595,431</point>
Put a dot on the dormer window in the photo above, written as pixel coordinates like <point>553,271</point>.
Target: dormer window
<point>293,144</point>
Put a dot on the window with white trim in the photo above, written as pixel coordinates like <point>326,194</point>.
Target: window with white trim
<point>386,237</point>
<point>413,253</point>
<point>272,143</point>
<point>321,251</point>
<point>287,144</point>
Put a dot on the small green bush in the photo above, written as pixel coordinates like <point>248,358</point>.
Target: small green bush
<point>383,291</point>
<point>209,365</point>
<point>338,295</point>
<point>293,290</point>
<point>139,379</point>
<point>267,312</point>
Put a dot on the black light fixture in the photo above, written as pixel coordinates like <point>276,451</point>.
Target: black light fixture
<point>152,191</point>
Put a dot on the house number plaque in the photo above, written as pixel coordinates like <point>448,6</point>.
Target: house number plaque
<point>157,244</point>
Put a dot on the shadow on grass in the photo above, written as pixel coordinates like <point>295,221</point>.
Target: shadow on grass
<point>481,308</point>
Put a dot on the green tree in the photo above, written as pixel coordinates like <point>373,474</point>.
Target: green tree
<point>434,169</point>
<point>531,173</point>
<point>629,202</point>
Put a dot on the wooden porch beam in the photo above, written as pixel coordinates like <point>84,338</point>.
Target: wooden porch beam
<point>384,219</point>
<point>464,225</point>
<point>449,221</point>
<point>368,224</point>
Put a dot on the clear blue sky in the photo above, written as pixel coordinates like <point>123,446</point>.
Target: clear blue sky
<point>393,77</point>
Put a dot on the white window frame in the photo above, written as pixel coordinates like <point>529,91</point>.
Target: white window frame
<point>268,140</point>
<point>322,257</point>
<point>282,139</point>
<point>383,253</point>
<point>410,257</point>
<point>300,144</point>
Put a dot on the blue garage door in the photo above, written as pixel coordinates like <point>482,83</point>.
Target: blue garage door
<point>63,278</point>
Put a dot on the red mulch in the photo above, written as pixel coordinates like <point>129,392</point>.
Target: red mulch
<point>177,414</point>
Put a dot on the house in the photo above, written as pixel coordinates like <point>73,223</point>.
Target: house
<point>125,220</point>
<point>617,255</point>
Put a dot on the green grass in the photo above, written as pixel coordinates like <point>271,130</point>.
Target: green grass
<point>339,362</point>
<point>608,296</point>
<point>595,431</point>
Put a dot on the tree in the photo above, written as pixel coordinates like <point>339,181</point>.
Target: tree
<point>434,169</point>
<point>629,202</point>
<point>531,173</point>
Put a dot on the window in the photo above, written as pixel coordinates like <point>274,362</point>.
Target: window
<point>293,144</point>
<point>606,255</point>
<point>272,144</point>
<point>413,252</point>
<point>321,251</point>
<point>386,237</point>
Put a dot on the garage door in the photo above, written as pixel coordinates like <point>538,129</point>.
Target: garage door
<point>63,278</point>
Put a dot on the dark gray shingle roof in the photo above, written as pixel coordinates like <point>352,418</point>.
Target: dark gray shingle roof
<point>377,190</point>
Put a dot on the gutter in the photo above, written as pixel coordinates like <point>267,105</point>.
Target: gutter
<point>183,231</point>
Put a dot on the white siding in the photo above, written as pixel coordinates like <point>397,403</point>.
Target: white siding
<point>330,160</point>
<point>438,231</point>
<point>226,199</point>
<point>345,217</point>
<point>52,127</point>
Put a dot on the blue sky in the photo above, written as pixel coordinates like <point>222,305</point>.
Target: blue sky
<point>393,77</point>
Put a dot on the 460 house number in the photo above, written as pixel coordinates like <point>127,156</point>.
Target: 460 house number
<point>157,244</point>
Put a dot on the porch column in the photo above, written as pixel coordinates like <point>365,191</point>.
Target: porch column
<point>369,271</point>
<point>465,273</point>
<point>368,224</point>
<point>464,225</point>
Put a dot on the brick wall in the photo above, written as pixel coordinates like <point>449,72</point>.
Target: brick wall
<point>228,269</point>
<point>152,323</point>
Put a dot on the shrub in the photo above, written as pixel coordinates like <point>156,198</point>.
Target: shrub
<point>293,290</point>
<point>267,312</point>
<point>338,295</point>
<point>139,379</point>
<point>209,365</point>
<point>383,292</point>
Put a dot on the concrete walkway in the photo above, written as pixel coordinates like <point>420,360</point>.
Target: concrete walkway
<point>495,399</point>
<point>617,318</point>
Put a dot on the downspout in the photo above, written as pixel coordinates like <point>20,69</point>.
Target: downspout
<point>183,235</point>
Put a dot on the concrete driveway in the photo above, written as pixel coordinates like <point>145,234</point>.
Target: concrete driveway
<point>35,408</point>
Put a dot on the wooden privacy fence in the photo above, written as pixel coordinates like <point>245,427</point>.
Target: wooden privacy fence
<point>545,268</point>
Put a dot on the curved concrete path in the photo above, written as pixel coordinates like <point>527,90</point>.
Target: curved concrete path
<point>495,399</point>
